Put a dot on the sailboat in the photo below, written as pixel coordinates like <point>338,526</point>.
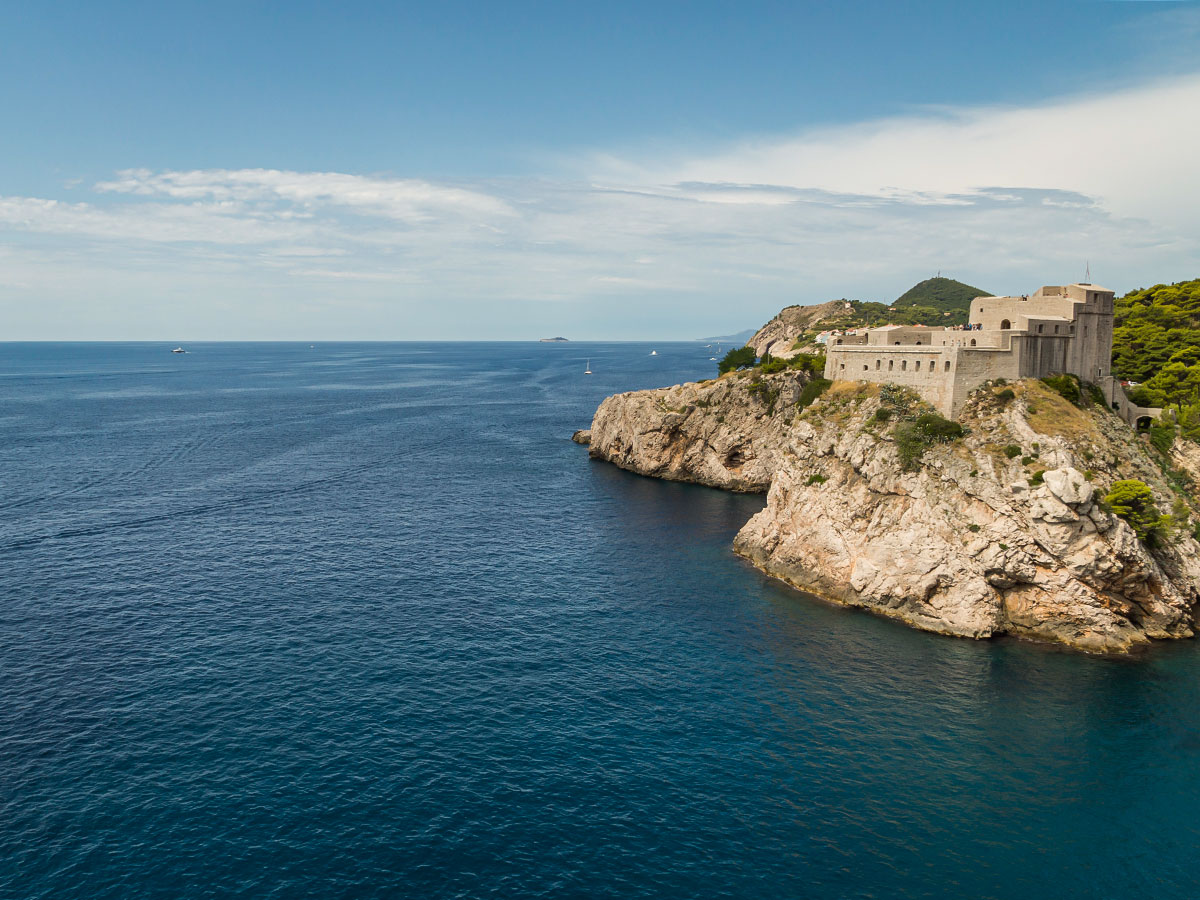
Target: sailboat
<point>654,353</point>
<point>588,370</point>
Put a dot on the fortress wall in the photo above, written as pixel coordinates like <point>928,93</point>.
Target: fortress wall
<point>1039,355</point>
<point>906,337</point>
<point>898,365</point>
<point>1120,403</point>
<point>848,340</point>
<point>1058,329</point>
<point>992,311</point>
<point>974,367</point>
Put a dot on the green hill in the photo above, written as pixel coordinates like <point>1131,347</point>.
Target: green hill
<point>935,297</point>
<point>1156,341</point>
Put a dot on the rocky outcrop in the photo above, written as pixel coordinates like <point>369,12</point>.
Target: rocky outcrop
<point>728,433</point>
<point>779,335</point>
<point>972,541</point>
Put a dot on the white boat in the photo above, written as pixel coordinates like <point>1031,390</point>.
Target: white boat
<point>588,370</point>
<point>179,350</point>
<point>654,353</point>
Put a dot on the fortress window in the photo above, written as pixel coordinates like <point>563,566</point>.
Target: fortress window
<point>839,340</point>
<point>917,367</point>
<point>1041,328</point>
<point>865,367</point>
<point>891,362</point>
<point>947,365</point>
<point>904,365</point>
<point>876,365</point>
<point>972,342</point>
<point>897,343</point>
<point>1085,331</point>
<point>1005,325</point>
<point>1056,329</point>
<point>841,366</point>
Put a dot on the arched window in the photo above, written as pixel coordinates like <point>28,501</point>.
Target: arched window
<point>839,340</point>
<point>972,342</point>
<point>876,365</point>
<point>865,367</point>
<point>947,365</point>
<point>897,343</point>
<point>891,362</point>
<point>918,343</point>
<point>1005,325</point>
<point>917,367</point>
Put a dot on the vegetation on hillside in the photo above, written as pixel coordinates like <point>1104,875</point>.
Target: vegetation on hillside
<point>1156,341</point>
<point>1133,501</point>
<point>737,358</point>
<point>744,358</point>
<point>941,296</point>
<point>933,302</point>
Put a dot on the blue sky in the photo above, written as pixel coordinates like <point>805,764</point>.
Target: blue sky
<point>509,170</point>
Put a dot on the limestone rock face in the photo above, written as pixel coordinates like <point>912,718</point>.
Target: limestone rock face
<point>968,543</point>
<point>778,335</point>
<point>727,433</point>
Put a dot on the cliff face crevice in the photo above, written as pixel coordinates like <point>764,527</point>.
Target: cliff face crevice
<point>971,541</point>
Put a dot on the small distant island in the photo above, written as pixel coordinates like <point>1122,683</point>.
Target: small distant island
<point>553,340</point>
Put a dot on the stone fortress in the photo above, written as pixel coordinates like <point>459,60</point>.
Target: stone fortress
<point>1054,331</point>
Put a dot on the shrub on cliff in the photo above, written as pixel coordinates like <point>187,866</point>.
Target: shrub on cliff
<point>1162,435</point>
<point>770,365</point>
<point>812,363</point>
<point>1067,386</point>
<point>766,392</point>
<point>915,437</point>
<point>738,358</point>
<point>1133,501</point>
<point>812,391</point>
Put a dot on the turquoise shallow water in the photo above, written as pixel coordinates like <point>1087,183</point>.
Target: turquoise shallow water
<point>360,621</point>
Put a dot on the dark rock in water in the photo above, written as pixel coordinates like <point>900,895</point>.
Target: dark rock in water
<point>583,436</point>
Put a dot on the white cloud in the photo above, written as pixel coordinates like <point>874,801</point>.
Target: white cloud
<point>1004,198</point>
<point>399,198</point>
<point>1133,150</point>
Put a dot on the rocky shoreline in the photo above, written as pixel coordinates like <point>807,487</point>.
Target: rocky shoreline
<point>999,532</point>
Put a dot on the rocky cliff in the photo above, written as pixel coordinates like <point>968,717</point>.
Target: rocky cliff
<point>999,531</point>
<point>778,335</point>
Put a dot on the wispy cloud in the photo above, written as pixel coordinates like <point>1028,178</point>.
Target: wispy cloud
<point>1005,198</point>
<point>397,198</point>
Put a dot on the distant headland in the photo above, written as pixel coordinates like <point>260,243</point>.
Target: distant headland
<point>553,340</point>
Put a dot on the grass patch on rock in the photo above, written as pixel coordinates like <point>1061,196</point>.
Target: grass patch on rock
<point>1053,414</point>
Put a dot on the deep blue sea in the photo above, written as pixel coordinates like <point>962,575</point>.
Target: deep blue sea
<point>359,620</point>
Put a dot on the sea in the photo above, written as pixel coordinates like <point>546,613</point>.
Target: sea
<point>360,621</point>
